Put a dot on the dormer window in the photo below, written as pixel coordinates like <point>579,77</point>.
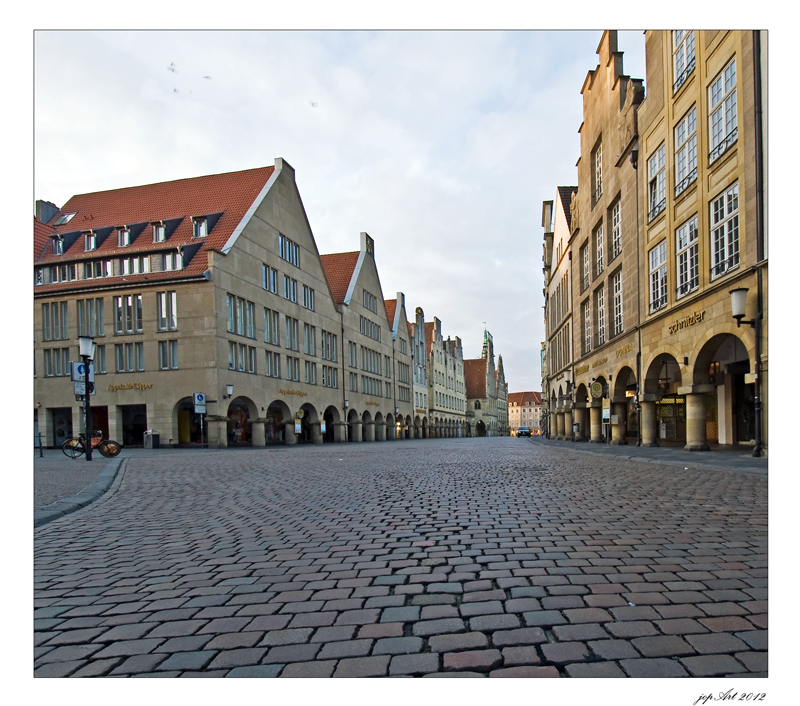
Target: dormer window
<point>200,227</point>
<point>58,245</point>
<point>159,232</point>
<point>173,260</point>
<point>123,237</point>
<point>90,241</point>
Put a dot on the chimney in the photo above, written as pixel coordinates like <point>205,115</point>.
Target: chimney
<point>45,210</point>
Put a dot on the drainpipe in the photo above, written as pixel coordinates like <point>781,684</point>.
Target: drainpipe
<point>760,250</point>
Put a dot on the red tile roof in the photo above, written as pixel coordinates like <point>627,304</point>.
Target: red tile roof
<point>41,237</point>
<point>521,398</point>
<point>429,326</point>
<point>339,268</point>
<point>391,309</point>
<point>475,377</point>
<point>230,195</point>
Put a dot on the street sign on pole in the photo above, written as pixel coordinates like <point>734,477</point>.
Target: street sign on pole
<point>199,403</point>
<point>79,372</point>
<point>80,388</point>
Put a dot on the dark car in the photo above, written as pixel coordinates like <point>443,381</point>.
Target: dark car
<point>524,431</point>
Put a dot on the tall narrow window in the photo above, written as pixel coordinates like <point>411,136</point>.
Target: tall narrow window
<point>90,241</point>
<point>586,316</point>
<point>599,253</point>
<point>682,56</point>
<point>658,276</point>
<point>271,330</point>
<point>167,355</point>
<point>128,314</point>
<point>123,237</point>
<point>616,230</point>
<point>657,185</point>
<point>687,257</point>
<point>722,118</point>
<point>600,308</point>
<point>597,173</point>
<point>686,151</point>
<point>725,231</point>
<point>586,267</point>
<point>199,227</point>
<point>159,232</point>
<point>167,311</point>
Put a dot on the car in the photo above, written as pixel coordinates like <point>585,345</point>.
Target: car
<point>524,431</point>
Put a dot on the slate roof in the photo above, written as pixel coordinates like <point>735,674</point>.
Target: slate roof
<point>223,198</point>
<point>565,194</point>
<point>339,268</point>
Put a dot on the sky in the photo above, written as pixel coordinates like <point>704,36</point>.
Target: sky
<point>442,145</point>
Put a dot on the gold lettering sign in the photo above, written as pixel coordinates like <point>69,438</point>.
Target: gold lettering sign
<point>600,362</point>
<point>582,369</point>
<point>131,386</point>
<point>624,350</point>
<point>688,320</point>
<point>374,404</point>
<point>299,393</point>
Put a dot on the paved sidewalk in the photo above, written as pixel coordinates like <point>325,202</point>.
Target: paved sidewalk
<point>432,558</point>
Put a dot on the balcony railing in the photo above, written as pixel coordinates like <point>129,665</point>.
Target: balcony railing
<point>684,183</point>
<point>724,266</point>
<point>683,76</point>
<point>656,210</point>
<point>723,146</point>
<point>658,304</point>
<point>686,287</point>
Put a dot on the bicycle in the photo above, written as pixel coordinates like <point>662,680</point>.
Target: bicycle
<point>76,446</point>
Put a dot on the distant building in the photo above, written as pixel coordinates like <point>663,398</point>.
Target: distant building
<point>486,409</point>
<point>525,410</point>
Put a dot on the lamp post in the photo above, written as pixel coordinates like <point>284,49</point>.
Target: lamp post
<point>86,350</point>
<point>738,308</point>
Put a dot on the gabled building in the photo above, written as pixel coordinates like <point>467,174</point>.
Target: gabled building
<point>525,410</point>
<point>209,285</point>
<point>373,411</point>
<point>419,347</point>
<point>447,401</point>
<point>480,376</point>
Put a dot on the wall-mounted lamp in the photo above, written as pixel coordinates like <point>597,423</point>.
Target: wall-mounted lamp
<point>346,404</point>
<point>739,306</point>
<point>228,392</point>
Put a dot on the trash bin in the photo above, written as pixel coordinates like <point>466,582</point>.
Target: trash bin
<point>151,440</point>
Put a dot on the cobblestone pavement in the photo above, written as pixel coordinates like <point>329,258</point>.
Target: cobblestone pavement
<point>56,476</point>
<point>468,557</point>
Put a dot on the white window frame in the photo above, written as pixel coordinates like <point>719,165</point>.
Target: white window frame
<point>159,232</point>
<point>168,355</point>
<point>657,182</point>
<point>123,237</point>
<point>90,241</point>
<point>616,229</point>
<point>723,128</point>
<point>657,259</point>
<point>586,311</point>
<point>687,256</point>
<point>725,231</point>
<point>600,306</point>
<point>686,151</point>
<point>683,59</point>
<point>599,253</point>
<point>199,227</point>
<point>167,311</point>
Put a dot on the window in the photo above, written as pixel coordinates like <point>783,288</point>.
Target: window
<point>353,382</point>
<point>686,151</point>
<point>159,232</point>
<point>657,187</point>
<point>90,317</point>
<point>288,250</point>
<point>89,241</point>
<point>56,362</point>
<point>130,357</point>
<point>600,309</point>
<point>241,316</point>
<point>123,237</point>
<point>352,351</point>
<point>329,376</point>
<point>135,265</point>
<point>98,268</point>
<point>599,261</point>
<point>128,314</point>
<point>658,276</point>
<point>687,257</point>
<point>586,267</point>
<point>290,288</point>
<point>292,326</point>
<point>328,346</point>
<point>370,328</point>
<point>199,227</point>
<point>616,288</point>
<point>271,330</point>
<point>58,245</point>
<point>293,369</point>
<point>682,56</point>
<point>616,230</point>
<point>308,298</point>
<point>167,355</point>
<point>269,278</point>
<point>586,318</point>
<point>272,366</point>
<point>311,372</point>
<point>167,311</point>
<point>387,366</point>
<point>370,302</point>
<point>55,321</point>
<point>722,118</point>
<point>172,260</point>
<point>99,361</point>
<point>725,231</point>
<point>309,339</point>
<point>597,173</point>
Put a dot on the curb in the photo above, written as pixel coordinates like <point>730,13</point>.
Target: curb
<point>88,495</point>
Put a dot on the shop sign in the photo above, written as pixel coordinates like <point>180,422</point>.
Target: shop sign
<point>597,389</point>
<point>624,350</point>
<point>600,362</point>
<point>582,369</point>
<point>299,393</point>
<point>131,386</point>
<point>686,321</point>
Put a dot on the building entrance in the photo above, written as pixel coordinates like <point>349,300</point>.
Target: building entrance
<point>671,418</point>
<point>134,424</point>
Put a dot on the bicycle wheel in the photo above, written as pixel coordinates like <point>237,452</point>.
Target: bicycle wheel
<point>109,448</point>
<point>73,448</point>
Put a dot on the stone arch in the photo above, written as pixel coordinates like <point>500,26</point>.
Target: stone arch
<point>188,428</point>
<point>663,376</point>
<point>391,432</point>
<point>241,413</point>
<point>409,430</point>
<point>331,418</point>
<point>309,424</point>
<point>380,427</point>
<point>276,417</point>
<point>367,426</point>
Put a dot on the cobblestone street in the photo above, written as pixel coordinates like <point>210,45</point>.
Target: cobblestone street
<point>494,557</point>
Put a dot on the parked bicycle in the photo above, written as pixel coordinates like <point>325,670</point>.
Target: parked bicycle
<point>76,446</point>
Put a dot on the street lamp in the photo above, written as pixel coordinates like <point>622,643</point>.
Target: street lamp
<point>738,309</point>
<point>86,351</point>
<point>228,392</point>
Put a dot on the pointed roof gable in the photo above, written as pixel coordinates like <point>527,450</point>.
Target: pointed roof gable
<point>565,196</point>
<point>339,268</point>
<point>391,309</point>
<point>529,398</point>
